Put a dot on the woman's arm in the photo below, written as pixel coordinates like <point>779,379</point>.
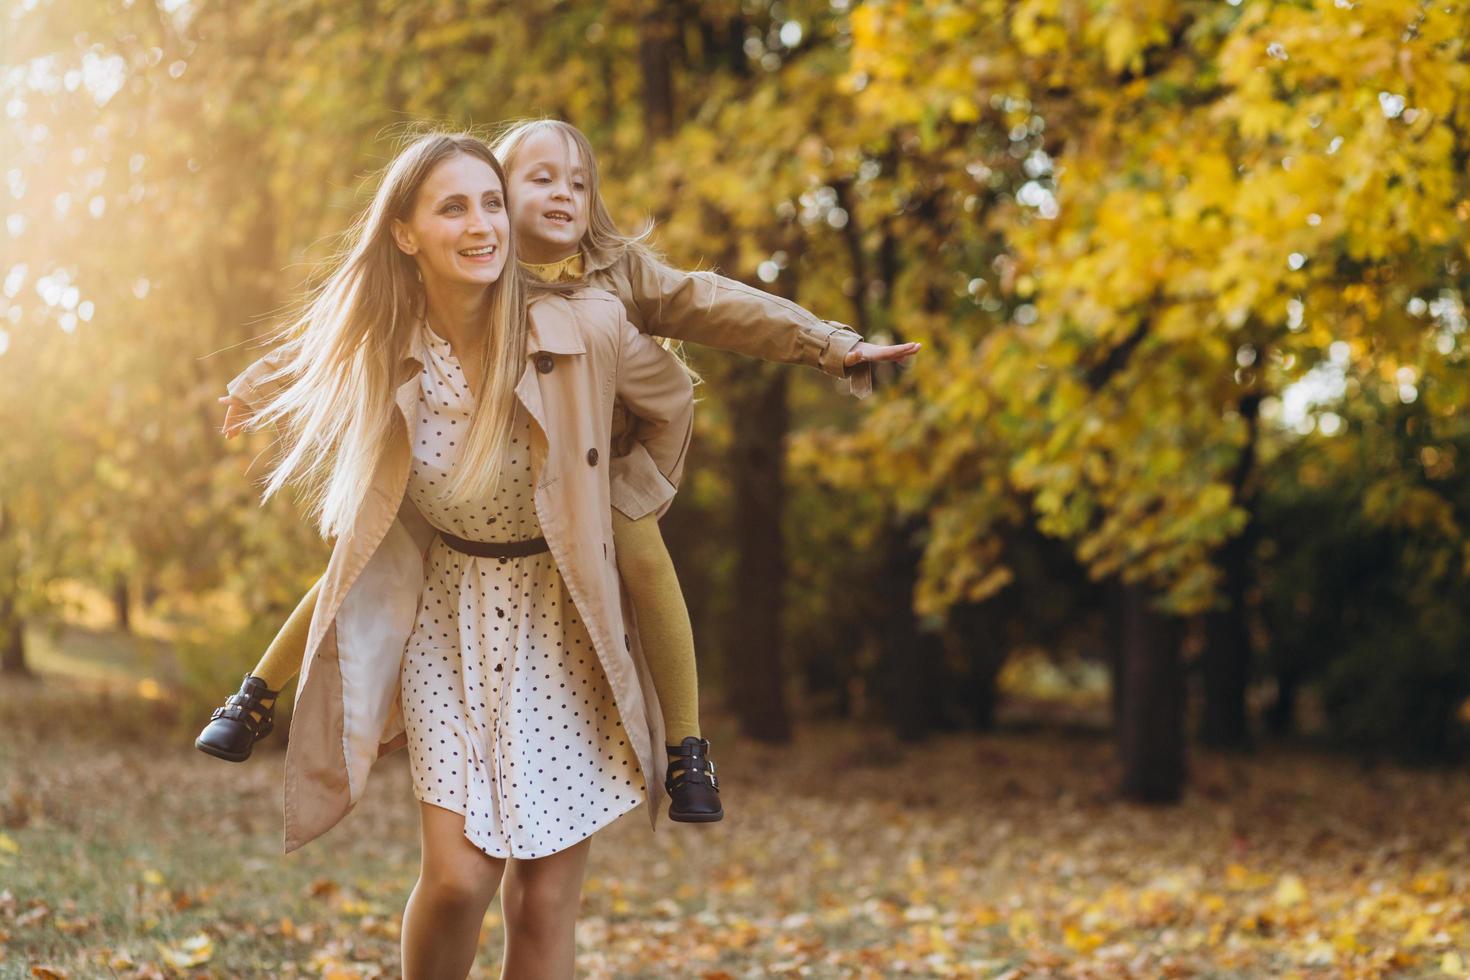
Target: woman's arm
<point>245,390</point>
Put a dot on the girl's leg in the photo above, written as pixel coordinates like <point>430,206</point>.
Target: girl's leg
<point>663,621</point>
<point>457,880</point>
<point>282,659</point>
<point>249,716</point>
<point>540,903</point>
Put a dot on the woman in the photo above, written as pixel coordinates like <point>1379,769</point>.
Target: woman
<point>452,423</point>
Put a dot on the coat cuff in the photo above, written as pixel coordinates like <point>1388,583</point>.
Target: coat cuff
<point>860,377</point>
<point>244,385</point>
<point>637,486</point>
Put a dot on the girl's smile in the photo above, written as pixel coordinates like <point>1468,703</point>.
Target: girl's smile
<point>550,197</point>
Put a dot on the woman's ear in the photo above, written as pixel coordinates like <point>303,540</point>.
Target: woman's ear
<point>403,238</point>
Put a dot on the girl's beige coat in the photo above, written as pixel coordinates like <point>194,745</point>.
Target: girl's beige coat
<point>582,355</point>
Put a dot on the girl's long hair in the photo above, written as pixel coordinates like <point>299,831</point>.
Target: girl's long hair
<point>604,242</point>
<point>334,395</point>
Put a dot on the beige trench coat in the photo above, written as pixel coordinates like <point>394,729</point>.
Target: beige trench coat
<point>582,355</point>
<point>698,307</point>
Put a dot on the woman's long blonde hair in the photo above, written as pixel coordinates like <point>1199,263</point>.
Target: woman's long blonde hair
<point>336,399</point>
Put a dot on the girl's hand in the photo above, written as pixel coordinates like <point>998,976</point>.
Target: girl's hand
<point>237,413</point>
<point>865,352</point>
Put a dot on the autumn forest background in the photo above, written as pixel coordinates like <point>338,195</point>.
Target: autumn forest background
<point>1122,633</point>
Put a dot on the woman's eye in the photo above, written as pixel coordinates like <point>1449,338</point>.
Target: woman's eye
<point>450,208</point>
<point>493,204</point>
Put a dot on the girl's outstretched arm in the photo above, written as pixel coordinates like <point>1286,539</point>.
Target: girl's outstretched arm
<point>709,309</point>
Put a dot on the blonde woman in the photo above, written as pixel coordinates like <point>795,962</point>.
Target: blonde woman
<point>451,422</point>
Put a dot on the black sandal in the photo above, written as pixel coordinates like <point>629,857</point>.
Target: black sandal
<point>234,728</point>
<point>694,792</point>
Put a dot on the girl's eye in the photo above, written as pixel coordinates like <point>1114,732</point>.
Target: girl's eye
<point>541,180</point>
<point>580,186</point>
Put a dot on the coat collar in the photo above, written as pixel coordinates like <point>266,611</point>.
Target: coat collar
<point>550,329</point>
<point>597,259</point>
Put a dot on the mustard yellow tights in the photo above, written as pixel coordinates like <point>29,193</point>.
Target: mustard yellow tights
<point>653,590</point>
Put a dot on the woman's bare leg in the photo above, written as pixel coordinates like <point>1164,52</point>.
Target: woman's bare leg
<point>457,880</point>
<point>540,903</point>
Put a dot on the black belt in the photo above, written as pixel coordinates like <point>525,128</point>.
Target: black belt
<point>496,549</point>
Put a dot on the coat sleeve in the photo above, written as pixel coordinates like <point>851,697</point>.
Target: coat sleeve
<point>658,392</point>
<point>709,309</point>
<point>250,385</point>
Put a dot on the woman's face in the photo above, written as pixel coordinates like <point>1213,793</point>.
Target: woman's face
<point>549,190</point>
<point>458,231</point>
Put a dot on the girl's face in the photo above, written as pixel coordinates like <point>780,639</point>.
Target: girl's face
<point>459,230</point>
<point>549,187</point>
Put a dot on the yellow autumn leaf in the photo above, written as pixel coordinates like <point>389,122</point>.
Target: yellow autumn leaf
<point>1082,942</point>
<point>1419,930</point>
<point>962,109</point>
<point>1289,891</point>
<point>1452,964</point>
<point>191,952</point>
<point>1431,883</point>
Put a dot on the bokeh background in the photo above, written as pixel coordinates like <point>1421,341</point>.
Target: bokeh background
<point>1123,633</point>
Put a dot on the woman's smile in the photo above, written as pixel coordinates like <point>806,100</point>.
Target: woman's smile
<point>480,253</point>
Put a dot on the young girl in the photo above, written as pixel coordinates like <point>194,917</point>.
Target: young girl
<point>566,233</point>
<point>454,435</point>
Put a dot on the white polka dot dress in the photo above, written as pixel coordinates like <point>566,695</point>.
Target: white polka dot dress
<point>509,716</point>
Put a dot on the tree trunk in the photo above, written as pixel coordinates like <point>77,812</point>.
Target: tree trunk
<point>1116,601</point>
<point>1227,653</point>
<point>12,641</point>
<point>1226,661</point>
<point>121,606</point>
<point>1280,717</point>
<point>909,657</point>
<point>1151,720</point>
<point>975,629</point>
<point>655,40</point>
<point>753,636</point>
<point>12,626</point>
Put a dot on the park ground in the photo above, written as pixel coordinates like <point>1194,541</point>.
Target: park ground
<point>126,853</point>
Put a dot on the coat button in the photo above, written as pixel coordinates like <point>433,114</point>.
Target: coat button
<point>592,457</point>
<point>543,363</point>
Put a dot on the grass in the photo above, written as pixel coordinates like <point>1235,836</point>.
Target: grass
<point>124,852</point>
